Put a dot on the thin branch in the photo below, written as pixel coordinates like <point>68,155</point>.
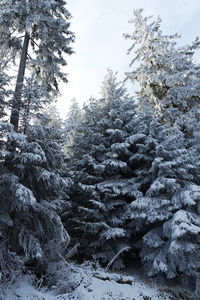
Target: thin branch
<point>21,37</point>
<point>116,256</point>
<point>34,42</point>
<point>12,32</point>
<point>73,251</point>
<point>29,56</point>
<point>63,259</point>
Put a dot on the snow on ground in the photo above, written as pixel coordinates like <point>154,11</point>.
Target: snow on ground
<point>110,289</point>
<point>101,286</point>
<point>23,291</point>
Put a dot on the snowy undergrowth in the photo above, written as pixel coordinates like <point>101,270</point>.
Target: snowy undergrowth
<point>98,285</point>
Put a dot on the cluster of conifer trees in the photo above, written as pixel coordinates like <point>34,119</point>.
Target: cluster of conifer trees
<point>119,178</point>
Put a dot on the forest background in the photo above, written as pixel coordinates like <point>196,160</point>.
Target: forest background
<point>116,182</point>
<point>99,26</point>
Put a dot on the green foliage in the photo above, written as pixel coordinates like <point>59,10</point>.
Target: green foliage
<point>71,123</point>
<point>167,74</point>
<point>99,217</point>
<point>47,24</point>
<point>167,215</point>
<point>32,185</point>
<point>35,188</point>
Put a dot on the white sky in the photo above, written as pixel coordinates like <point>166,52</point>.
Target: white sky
<point>99,26</point>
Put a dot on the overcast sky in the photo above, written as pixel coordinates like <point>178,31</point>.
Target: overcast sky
<point>99,26</point>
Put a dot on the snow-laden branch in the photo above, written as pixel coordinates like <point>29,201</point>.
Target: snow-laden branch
<point>116,256</point>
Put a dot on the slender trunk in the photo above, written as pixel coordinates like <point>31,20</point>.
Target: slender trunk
<point>26,121</point>
<point>14,119</point>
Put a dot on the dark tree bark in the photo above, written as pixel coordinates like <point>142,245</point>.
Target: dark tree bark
<point>14,119</point>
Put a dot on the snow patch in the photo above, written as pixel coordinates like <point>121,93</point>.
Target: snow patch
<point>102,286</point>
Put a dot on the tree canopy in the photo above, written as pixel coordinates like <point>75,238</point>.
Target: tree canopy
<point>117,180</point>
<point>42,26</point>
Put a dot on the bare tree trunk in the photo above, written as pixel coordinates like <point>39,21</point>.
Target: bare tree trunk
<point>14,119</point>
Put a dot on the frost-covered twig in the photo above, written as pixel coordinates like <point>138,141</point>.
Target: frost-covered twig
<point>63,259</point>
<point>40,282</point>
<point>73,251</point>
<point>116,256</point>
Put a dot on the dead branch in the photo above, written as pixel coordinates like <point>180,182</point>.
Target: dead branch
<point>116,256</point>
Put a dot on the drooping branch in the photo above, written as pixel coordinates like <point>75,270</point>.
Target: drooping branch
<point>14,119</point>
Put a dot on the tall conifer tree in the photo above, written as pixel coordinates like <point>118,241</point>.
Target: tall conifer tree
<point>105,184</point>
<point>32,186</point>
<point>169,86</point>
<point>42,26</point>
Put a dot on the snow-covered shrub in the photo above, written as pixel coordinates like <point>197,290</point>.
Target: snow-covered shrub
<point>64,277</point>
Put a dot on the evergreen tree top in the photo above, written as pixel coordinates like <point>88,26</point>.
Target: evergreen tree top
<point>167,74</point>
<point>47,24</point>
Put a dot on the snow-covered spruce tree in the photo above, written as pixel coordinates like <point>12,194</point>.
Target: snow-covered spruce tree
<point>32,193</point>
<point>32,186</point>
<point>99,218</point>
<point>169,81</point>
<point>167,74</point>
<point>4,83</point>
<point>32,102</point>
<point>172,171</point>
<point>73,119</point>
<point>44,27</point>
<point>5,260</point>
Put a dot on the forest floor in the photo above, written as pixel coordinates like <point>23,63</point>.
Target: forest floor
<point>101,285</point>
